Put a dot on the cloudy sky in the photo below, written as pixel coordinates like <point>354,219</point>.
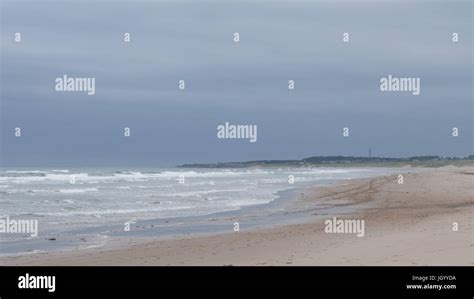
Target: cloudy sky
<point>337,83</point>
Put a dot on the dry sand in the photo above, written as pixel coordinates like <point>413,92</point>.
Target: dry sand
<point>405,224</point>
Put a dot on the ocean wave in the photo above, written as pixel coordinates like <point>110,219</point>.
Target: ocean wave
<point>72,191</point>
<point>20,177</point>
<point>40,191</point>
<point>96,213</point>
<point>198,193</point>
<point>15,174</point>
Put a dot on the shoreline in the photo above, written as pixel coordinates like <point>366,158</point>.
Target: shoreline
<point>164,228</point>
<point>396,217</point>
<point>279,211</point>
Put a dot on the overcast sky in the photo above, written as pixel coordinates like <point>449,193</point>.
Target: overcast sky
<point>337,84</point>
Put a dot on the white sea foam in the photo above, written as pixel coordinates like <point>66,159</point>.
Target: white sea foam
<point>84,190</point>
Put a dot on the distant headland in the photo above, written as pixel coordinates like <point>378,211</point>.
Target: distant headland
<point>421,161</point>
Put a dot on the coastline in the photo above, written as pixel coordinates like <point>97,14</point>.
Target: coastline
<point>397,218</point>
<point>279,211</point>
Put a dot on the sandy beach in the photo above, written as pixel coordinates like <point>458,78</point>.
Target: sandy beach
<point>405,224</point>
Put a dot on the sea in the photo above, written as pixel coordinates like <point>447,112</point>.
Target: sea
<point>85,207</point>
